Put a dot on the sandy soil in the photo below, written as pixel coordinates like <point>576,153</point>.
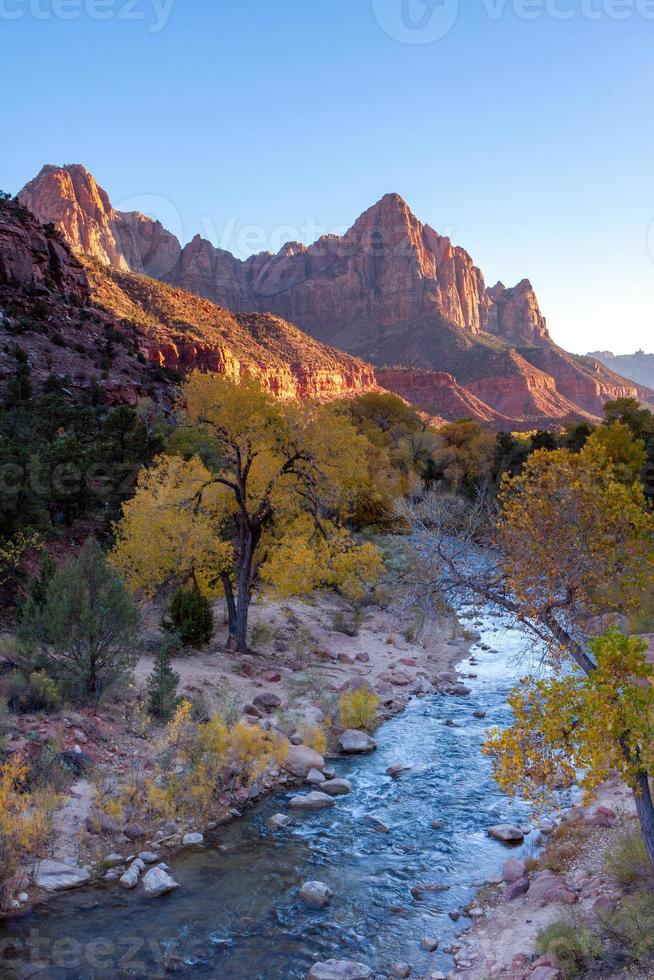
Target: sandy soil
<point>302,655</point>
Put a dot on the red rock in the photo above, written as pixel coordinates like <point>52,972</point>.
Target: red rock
<point>345,658</point>
<point>391,289</point>
<point>408,661</point>
<point>400,679</point>
<point>547,889</point>
<point>273,676</point>
<point>513,870</point>
<point>602,817</point>
<point>516,888</point>
<point>363,658</point>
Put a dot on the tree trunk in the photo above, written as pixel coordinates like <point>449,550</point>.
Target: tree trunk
<point>645,810</point>
<point>249,540</point>
<point>231,609</point>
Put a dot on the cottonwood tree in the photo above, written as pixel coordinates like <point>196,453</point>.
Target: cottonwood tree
<point>256,490</point>
<point>571,542</point>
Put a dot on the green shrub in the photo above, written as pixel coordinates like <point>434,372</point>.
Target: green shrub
<point>32,692</point>
<point>191,615</point>
<point>340,624</point>
<point>632,925</point>
<point>49,769</point>
<point>261,634</point>
<point>627,860</point>
<point>162,684</point>
<point>85,635</point>
<point>571,945</point>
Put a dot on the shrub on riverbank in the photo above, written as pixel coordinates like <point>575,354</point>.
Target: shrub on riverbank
<point>571,945</point>
<point>200,762</point>
<point>631,925</point>
<point>358,709</point>
<point>85,633</point>
<point>627,860</point>
<point>25,822</point>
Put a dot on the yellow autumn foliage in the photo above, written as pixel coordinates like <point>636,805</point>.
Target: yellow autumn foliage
<point>575,726</point>
<point>304,560</point>
<point>202,759</point>
<point>358,709</point>
<point>254,490</point>
<point>172,526</point>
<point>25,821</point>
<point>573,536</point>
<point>314,736</point>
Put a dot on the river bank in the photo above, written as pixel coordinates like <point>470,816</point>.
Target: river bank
<point>401,889</point>
<point>308,652</point>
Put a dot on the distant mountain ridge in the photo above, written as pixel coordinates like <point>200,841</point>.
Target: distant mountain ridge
<point>390,290</point>
<point>637,367</point>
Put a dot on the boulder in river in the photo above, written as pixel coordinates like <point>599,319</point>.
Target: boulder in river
<point>506,833</point>
<point>459,690</point>
<point>377,824</point>
<point>278,821</point>
<point>300,760</point>
<point>336,787</point>
<point>314,776</point>
<point>157,882</point>
<point>428,888</point>
<point>130,877</point>
<point>54,876</point>
<point>339,970</point>
<point>398,768</point>
<point>355,742</point>
<point>193,840</point>
<point>316,894</point>
<point>148,857</point>
<point>311,801</point>
<point>399,970</point>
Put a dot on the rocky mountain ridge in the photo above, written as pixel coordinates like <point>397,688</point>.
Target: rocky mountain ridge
<point>390,291</point>
<point>91,323</point>
<point>638,367</point>
<point>388,269</point>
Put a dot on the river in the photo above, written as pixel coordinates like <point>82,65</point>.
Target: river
<point>237,914</point>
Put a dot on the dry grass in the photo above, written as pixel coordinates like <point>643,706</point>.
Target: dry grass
<point>563,847</point>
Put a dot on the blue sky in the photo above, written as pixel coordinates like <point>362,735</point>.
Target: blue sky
<point>525,131</point>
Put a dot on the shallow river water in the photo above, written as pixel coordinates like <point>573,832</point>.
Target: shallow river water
<point>236,913</point>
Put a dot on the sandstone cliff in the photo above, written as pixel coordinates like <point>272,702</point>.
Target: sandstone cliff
<point>95,324</point>
<point>391,291</point>
<point>80,209</point>
<point>388,270</point>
